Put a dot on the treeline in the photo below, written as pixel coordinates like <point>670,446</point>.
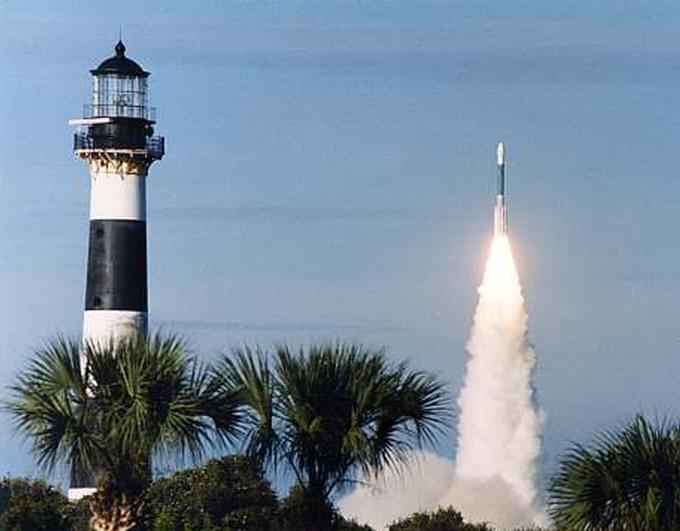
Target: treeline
<point>228,494</point>
<point>321,415</point>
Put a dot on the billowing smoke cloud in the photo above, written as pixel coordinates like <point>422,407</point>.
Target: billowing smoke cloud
<point>396,493</point>
<point>500,426</point>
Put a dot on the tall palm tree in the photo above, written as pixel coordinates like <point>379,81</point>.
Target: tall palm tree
<point>110,408</point>
<point>331,411</point>
<point>628,480</point>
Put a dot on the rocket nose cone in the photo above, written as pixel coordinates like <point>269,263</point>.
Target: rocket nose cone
<point>500,152</point>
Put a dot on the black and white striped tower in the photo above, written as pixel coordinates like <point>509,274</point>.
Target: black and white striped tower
<point>116,139</point>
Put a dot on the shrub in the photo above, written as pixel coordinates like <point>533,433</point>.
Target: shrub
<point>296,507</point>
<point>31,506</point>
<point>627,479</point>
<point>227,494</point>
<point>78,514</point>
<point>441,520</point>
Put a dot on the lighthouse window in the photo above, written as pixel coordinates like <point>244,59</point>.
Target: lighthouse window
<point>96,302</point>
<point>119,95</point>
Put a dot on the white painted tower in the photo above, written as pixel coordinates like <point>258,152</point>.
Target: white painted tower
<point>116,140</point>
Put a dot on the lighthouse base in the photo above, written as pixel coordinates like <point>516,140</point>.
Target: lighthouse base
<point>78,494</point>
<point>100,327</point>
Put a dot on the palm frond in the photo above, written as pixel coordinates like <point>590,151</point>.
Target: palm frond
<point>131,399</point>
<point>246,377</point>
<point>627,479</point>
<point>334,408</point>
<point>49,403</point>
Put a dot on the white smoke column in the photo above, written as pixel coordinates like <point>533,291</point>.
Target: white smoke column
<point>500,425</point>
<point>494,476</point>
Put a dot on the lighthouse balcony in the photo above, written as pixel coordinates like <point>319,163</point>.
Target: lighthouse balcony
<point>152,147</point>
<point>155,146</point>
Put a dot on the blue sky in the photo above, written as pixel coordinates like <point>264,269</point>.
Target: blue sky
<point>330,171</point>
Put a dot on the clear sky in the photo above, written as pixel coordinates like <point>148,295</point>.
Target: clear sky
<point>330,171</point>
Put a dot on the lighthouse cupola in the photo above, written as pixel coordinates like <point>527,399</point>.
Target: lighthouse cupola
<point>119,115</point>
<point>120,88</point>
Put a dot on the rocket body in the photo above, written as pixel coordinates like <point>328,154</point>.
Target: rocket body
<point>500,212</point>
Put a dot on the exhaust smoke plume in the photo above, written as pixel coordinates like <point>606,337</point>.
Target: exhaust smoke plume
<point>499,434</point>
<point>500,426</point>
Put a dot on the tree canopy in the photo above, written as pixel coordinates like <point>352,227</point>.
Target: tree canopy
<point>108,409</point>
<point>27,505</point>
<point>331,410</point>
<point>627,480</point>
<point>223,495</point>
<point>442,520</point>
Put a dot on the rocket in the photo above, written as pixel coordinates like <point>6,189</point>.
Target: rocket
<point>500,211</point>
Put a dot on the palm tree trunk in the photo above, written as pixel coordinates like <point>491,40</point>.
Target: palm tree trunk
<point>119,514</point>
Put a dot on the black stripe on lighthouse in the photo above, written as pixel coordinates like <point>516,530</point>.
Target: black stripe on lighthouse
<point>116,266</point>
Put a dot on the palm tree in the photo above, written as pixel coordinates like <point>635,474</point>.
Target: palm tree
<point>331,411</point>
<point>110,408</point>
<point>628,480</point>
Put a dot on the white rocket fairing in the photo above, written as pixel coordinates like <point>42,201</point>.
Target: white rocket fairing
<point>500,211</point>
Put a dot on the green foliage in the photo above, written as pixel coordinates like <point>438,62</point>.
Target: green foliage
<point>130,400</point>
<point>331,410</point>
<point>441,520</point>
<point>349,525</point>
<point>78,514</point>
<point>296,508</point>
<point>302,510</point>
<point>226,494</point>
<point>628,480</point>
<point>31,506</point>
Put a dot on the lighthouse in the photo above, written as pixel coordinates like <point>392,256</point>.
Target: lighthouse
<point>115,138</point>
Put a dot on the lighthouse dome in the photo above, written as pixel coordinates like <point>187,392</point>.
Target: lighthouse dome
<point>119,64</point>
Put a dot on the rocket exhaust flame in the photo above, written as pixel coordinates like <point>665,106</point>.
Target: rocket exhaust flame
<point>500,217</point>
